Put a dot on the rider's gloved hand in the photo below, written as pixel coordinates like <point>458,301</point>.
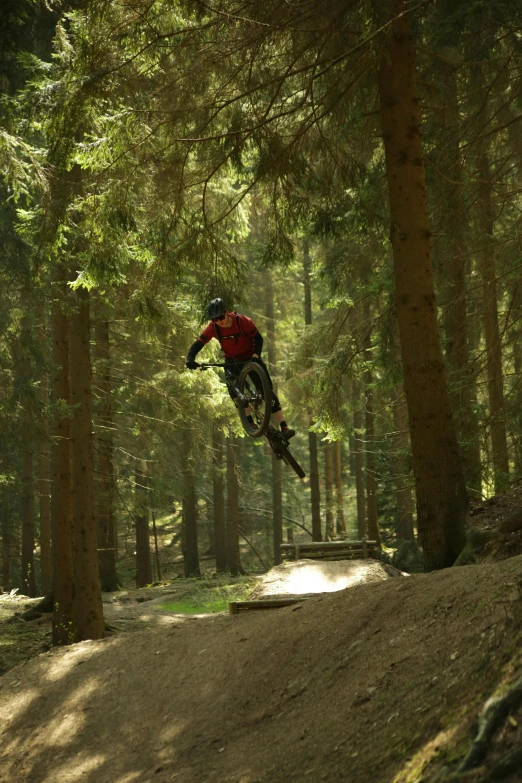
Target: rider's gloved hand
<point>191,364</point>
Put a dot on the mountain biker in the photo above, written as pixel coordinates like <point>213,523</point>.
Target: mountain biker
<point>240,342</point>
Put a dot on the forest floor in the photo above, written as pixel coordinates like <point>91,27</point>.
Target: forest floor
<point>380,678</point>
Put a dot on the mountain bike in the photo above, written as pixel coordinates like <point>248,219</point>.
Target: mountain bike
<point>250,389</point>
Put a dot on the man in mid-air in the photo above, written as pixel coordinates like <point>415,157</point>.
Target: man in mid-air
<point>240,342</point>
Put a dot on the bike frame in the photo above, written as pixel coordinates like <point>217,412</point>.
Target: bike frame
<point>230,380</point>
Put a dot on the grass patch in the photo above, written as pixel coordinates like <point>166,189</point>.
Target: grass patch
<point>208,597</point>
<point>184,607</point>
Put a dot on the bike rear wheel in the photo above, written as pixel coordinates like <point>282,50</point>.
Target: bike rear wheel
<point>255,387</point>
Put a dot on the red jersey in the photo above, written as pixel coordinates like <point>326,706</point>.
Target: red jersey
<point>237,342</point>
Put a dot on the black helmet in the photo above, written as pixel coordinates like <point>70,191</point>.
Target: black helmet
<point>216,309</point>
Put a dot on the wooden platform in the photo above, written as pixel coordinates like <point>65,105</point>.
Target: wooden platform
<point>330,550</point>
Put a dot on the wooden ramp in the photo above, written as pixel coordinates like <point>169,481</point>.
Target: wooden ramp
<point>330,550</point>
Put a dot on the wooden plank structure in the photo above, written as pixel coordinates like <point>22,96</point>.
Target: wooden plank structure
<point>330,550</point>
<point>266,603</point>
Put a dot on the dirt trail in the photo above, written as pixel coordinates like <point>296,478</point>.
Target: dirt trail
<point>377,683</point>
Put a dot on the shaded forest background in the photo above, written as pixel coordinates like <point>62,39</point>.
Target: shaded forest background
<point>155,155</point>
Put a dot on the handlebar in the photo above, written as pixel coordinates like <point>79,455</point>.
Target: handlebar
<point>206,365</point>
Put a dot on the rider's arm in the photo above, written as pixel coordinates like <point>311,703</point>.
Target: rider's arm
<point>206,335</point>
<point>193,351</point>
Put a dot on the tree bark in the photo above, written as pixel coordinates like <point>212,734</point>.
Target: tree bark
<point>492,333</point>
<point>90,623</point>
<point>315,492</point>
<point>44,483</point>
<point>454,252</point>
<point>220,533</point>
<point>517,363</point>
<point>277,473</point>
<point>371,479</point>
<point>403,483</point>
<point>277,508</point>
<point>64,589</point>
<point>28,576</point>
<point>328,484</point>
<point>439,480</point>
<point>25,369</point>
<point>190,515</point>
<point>340,523</point>
<point>6,547</point>
<point>105,484</point>
<point>143,562</point>
<point>359,463</point>
<point>234,562</point>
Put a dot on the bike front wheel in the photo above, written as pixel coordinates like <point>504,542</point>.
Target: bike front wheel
<point>255,388</point>
<point>282,451</point>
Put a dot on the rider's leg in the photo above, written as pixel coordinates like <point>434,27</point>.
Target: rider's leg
<point>277,413</point>
<point>279,417</point>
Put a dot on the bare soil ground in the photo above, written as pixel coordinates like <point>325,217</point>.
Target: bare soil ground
<point>381,681</point>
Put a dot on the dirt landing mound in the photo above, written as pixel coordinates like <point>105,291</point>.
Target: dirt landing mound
<point>380,683</point>
<point>320,576</point>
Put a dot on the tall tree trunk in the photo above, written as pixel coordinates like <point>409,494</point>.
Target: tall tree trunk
<point>359,463</point>
<point>440,488</point>
<point>517,364</point>
<point>328,485</point>
<point>28,576</point>
<point>315,493</point>
<point>44,479</point>
<point>143,561</point>
<point>105,484</point>
<point>26,373</point>
<point>371,479</point>
<point>190,514</point>
<point>156,546</point>
<point>474,445</point>
<point>277,508</point>
<point>340,524</point>
<point>234,562</point>
<point>492,332</point>
<point>277,473</point>
<point>6,545</point>
<point>403,482</point>
<point>64,590</point>
<point>218,488</point>
<point>89,610</point>
<point>454,250</point>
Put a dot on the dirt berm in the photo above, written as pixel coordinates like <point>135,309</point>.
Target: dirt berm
<point>380,682</point>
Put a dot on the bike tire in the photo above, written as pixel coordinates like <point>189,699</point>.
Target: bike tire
<point>281,449</point>
<point>291,460</point>
<point>260,402</point>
